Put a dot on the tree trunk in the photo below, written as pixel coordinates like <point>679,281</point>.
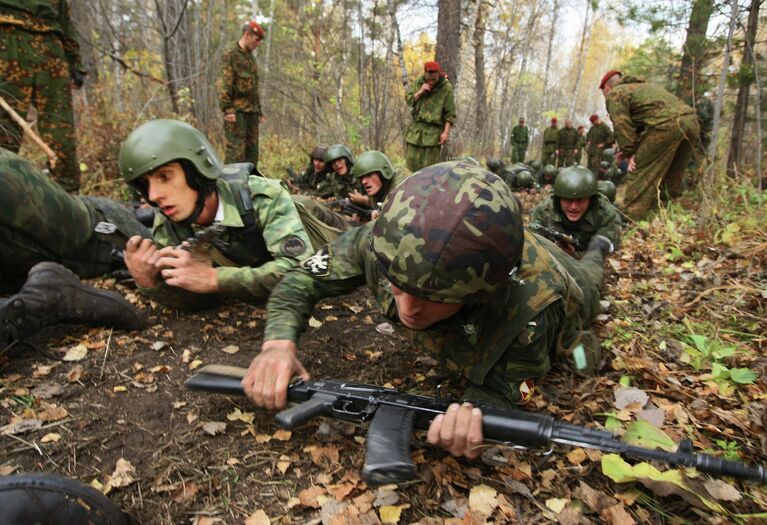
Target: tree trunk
<point>449,37</point>
<point>694,50</point>
<point>480,102</point>
<point>552,32</point>
<point>583,52</point>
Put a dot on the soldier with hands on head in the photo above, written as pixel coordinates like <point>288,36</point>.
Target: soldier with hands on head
<point>39,64</point>
<point>464,279</point>
<point>551,144</point>
<point>432,107</point>
<point>520,139</point>
<point>239,98</point>
<point>568,144</point>
<point>656,132</point>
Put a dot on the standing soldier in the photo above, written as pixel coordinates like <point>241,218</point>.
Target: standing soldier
<point>598,138</point>
<point>568,144</point>
<point>656,132</point>
<point>550,144</point>
<point>39,60</point>
<point>581,143</point>
<point>432,106</point>
<point>238,96</point>
<point>519,141</point>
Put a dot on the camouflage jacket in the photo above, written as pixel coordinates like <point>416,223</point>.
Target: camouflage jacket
<point>602,219</point>
<point>337,186</point>
<point>309,180</point>
<point>635,107</point>
<point>469,343</point>
<point>520,136</point>
<point>550,138</point>
<point>568,138</point>
<point>430,112</point>
<point>238,86</point>
<point>243,273</point>
<point>598,134</point>
<point>44,16</point>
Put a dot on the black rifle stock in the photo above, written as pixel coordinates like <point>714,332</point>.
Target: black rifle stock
<point>557,236</point>
<point>393,415</point>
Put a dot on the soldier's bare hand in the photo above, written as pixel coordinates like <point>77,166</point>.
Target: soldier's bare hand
<point>632,163</point>
<point>230,117</point>
<point>269,374</point>
<point>459,430</point>
<point>140,255</point>
<point>181,269</point>
<point>357,198</point>
<point>443,137</point>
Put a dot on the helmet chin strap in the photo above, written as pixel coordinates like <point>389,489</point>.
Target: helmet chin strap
<point>199,205</point>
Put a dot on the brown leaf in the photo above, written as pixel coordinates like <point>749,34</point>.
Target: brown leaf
<point>308,497</point>
<point>76,374</point>
<point>617,515</point>
<point>570,516</point>
<point>47,390</point>
<point>721,490</point>
<point>258,518</point>
<point>325,455</point>
<point>144,378</point>
<point>341,490</point>
<point>483,500</point>
<point>577,456</point>
<point>53,413</point>
<point>595,499</point>
<point>186,492</point>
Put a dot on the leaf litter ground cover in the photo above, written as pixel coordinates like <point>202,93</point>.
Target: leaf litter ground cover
<point>684,334</point>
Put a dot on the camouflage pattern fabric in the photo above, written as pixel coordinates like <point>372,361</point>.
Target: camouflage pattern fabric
<point>550,145</point>
<point>660,131</point>
<point>581,147</point>
<point>322,213</point>
<point>238,94</point>
<point>568,145</point>
<point>308,181</point>
<point>602,218</point>
<point>598,134</point>
<point>337,186</point>
<point>44,223</point>
<point>496,345</point>
<point>519,140</point>
<point>38,52</point>
<point>429,112</point>
<point>253,275</point>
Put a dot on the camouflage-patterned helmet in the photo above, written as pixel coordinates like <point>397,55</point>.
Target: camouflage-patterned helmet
<point>451,233</point>
<point>161,141</point>
<point>575,183</point>
<point>495,165</point>
<point>525,179</point>
<point>535,165</point>
<point>607,188</point>
<point>337,151</point>
<point>373,162</point>
<point>608,154</point>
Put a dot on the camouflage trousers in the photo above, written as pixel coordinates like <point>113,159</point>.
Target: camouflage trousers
<point>518,152</point>
<point>549,156</point>
<point>34,71</point>
<point>417,157</point>
<point>241,138</point>
<point>661,160</point>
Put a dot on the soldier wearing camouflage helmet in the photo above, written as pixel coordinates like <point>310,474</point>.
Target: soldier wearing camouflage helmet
<point>174,167</point>
<point>39,64</point>
<point>463,279</point>
<point>576,208</point>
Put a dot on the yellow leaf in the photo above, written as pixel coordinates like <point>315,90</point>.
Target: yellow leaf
<point>556,504</point>
<point>195,364</point>
<point>76,353</point>
<point>391,513</point>
<point>50,438</point>
<point>120,388</point>
<point>314,323</point>
<point>283,435</point>
<point>482,500</point>
<point>231,349</point>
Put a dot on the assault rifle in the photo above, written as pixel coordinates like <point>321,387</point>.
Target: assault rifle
<point>201,243</point>
<point>347,207</point>
<point>557,236</point>
<point>393,416</point>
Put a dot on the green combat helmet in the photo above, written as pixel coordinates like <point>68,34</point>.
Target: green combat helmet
<point>161,141</point>
<point>535,165</point>
<point>549,174</point>
<point>336,151</point>
<point>373,162</point>
<point>525,179</point>
<point>457,245</point>
<point>575,183</point>
<point>608,154</point>
<point>607,188</point>
<point>495,165</point>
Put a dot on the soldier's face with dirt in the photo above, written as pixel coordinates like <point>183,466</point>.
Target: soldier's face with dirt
<point>340,166</point>
<point>372,183</point>
<point>318,164</point>
<point>167,188</point>
<point>574,209</point>
<point>420,314</point>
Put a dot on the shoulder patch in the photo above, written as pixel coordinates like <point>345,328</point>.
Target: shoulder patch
<point>319,263</point>
<point>292,246</point>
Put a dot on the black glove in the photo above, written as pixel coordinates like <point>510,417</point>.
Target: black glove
<point>78,77</point>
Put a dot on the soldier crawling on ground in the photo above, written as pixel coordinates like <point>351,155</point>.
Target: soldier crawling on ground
<point>314,174</point>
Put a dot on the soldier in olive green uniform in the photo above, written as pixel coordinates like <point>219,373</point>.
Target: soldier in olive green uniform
<point>519,141</point>
<point>550,144</point>
<point>239,98</point>
<point>598,138</point>
<point>39,62</point>
<point>657,132</point>
<point>175,169</point>
<point>456,268</point>
<point>432,106</point>
<point>568,144</point>
<point>576,208</point>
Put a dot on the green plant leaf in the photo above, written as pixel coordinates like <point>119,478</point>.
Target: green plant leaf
<point>725,351</point>
<point>701,343</point>
<point>743,376</point>
<point>644,434</point>
<point>719,371</point>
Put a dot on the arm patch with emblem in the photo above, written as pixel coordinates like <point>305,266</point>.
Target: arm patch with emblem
<point>319,263</point>
<point>292,246</point>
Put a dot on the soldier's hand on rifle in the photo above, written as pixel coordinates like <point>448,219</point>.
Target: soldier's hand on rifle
<point>270,372</point>
<point>182,269</point>
<point>458,430</point>
<point>357,198</point>
<point>140,256</point>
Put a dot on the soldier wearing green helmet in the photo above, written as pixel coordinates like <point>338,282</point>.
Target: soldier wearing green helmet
<point>465,281</point>
<point>608,189</point>
<point>377,175</point>
<point>547,175</point>
<point>495,165</point>
<point>174,167</point>
<point>576,208</point>
<point>525,180</point>
<point>339,183</point>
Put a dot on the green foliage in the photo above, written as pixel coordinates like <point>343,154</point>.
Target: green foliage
<point>730,449</point>
<point>654,60</point>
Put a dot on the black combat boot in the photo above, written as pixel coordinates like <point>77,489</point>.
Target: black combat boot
<point>52,295</point>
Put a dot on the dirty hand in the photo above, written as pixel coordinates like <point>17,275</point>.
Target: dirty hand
<point>270,372</point>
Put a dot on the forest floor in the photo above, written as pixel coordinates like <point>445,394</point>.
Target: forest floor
<point>684,333</point>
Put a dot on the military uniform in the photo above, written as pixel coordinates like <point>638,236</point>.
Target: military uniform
<point>498,346</point>
<point>550,145</point>
<point>659,130</point>
<point>38,54</point>
<point>238,94</point>
<point>581,147</point>
<point>248,263</point>
<point>598,134</point>
<point>44,223</point>
<point>336,186</point>
<point>430,112</point>
<point>519,141</point>
<point>602,218</point>
<point>309,181</point>
<point>568,145</point>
